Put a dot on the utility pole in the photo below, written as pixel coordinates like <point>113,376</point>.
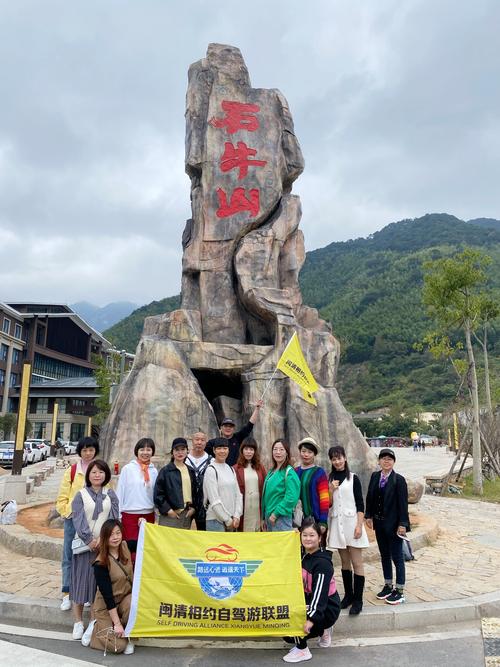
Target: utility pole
<point>17,463</point>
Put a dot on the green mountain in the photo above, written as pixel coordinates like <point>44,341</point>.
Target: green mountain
<point>125,334</point>
<point>369,289</point>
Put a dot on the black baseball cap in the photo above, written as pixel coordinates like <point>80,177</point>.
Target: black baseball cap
<point>227,422</point>
<point>179,442</point>
<point>387,452</point>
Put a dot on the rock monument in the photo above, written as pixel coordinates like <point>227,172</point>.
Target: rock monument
<point>241,301</point>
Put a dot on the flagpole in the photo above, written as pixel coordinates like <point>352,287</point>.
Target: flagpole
<point>276,369</point>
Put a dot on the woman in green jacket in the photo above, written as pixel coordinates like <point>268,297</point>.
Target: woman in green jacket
<point>281,490</point>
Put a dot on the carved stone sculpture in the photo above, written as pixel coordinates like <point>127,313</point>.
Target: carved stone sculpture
<point>241,300</point>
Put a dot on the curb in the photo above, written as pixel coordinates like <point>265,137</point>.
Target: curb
<point>20,540</point>
<point>375,620</point>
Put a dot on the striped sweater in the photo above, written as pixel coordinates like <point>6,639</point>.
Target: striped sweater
<point>314,493</point>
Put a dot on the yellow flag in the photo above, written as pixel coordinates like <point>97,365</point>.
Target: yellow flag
<point>293,364</point>
<point>194,583</point>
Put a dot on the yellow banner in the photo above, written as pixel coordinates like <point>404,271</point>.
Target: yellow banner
<point>293,364</point>
<point>218,584</point>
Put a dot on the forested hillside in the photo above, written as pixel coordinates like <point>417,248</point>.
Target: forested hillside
<point>370,291</point>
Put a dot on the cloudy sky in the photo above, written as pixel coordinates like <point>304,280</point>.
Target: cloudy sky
<point>395,106</point>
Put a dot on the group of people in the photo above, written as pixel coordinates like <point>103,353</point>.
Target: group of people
<point>221,485</point>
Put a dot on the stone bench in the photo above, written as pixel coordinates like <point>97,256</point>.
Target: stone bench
<point>38,477</point>
<point>30,485</point>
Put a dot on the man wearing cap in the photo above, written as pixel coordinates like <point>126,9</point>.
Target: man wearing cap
<point>175,489</point>
<point>227,428</point>
<point>314,496</point>
<point>387,513</point>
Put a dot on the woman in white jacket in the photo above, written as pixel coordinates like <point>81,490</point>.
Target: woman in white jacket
<point>221,493</point>
<point>135,491</point>
<point>346,531</point>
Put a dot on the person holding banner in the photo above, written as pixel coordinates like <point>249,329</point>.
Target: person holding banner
<point>221,493</point>
<point>175,489</point>
<point>322,599</point>
<point>250,475</point>
<point>113,574</point>
<point>281,490</point>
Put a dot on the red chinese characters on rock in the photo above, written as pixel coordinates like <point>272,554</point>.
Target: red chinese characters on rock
<point>238,116</point>
<point>239,158</point>
<point>238,203</point>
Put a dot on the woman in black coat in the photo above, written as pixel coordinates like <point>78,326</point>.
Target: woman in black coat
<point>387,513</point>
<point>175,489</point>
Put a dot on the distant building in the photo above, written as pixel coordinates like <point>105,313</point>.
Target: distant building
<point>63,350</point>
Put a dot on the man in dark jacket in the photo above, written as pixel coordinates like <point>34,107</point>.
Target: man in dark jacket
<point>387,513</point>
<point>227,431</point>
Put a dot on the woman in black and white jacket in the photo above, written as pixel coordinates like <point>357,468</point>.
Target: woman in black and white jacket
<point>175,489</point>
<point>322,599</point>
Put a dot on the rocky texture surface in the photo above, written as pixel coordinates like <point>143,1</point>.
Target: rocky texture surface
<point>241,302</point>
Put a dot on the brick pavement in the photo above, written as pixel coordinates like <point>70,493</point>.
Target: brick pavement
<point>463,561</point>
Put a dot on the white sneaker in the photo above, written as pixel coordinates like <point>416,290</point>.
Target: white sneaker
<point>87,635</point>
<point>65,603</point>
<point>325,641</point>
<point>78,630</point>
<point>129,648</point>
<point>297,655</point>
<point>86,604</point>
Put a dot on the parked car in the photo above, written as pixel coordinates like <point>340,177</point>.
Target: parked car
<point>34,454</point>
<point>70,447</point>
<point>42,445</point>
<point>7,454</point>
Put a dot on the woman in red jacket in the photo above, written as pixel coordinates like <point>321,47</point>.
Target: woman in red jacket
<point>250,475</point>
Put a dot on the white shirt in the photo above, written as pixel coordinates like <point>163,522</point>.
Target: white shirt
<point>222,492</point>
<point>134,495</point>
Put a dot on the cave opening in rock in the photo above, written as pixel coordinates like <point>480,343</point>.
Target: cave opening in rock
<point>223,390</point>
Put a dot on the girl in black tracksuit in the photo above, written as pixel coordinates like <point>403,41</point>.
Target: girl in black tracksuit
<point>322,599</point>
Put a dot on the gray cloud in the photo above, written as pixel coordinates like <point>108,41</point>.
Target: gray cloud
<point>395,106</point>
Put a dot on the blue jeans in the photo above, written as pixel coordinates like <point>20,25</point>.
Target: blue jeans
<point>391,551</point>
<point>282,523</point>
<point>67,554</point>
<point>215,526</point>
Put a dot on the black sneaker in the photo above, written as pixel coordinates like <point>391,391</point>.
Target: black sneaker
<point>396,597</point>
<point>385,592</point>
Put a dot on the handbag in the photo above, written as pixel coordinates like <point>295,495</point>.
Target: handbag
<point>78,546</point>
<point>298,514</point>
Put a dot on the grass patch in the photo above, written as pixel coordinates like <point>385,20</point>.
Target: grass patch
<point>491,490</point>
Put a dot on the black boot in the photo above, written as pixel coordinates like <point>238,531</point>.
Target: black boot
<point>348,592</point>
<point>357,604</point>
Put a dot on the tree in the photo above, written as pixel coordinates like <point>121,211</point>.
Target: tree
<point>488,311</point>
<point>8,424</point>
<point>106,374</point>
<point>452,296</point>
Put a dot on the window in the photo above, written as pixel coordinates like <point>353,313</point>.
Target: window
<point>16,357</point>
<point>18,331</point>
<point>62,405</point>
<point>13,379</point>
<point>6,325</point>
<point>2,377</point>
<point>77,432</point>
<point>39,429</point>
<point>4,351</point>
<point>42,406</point>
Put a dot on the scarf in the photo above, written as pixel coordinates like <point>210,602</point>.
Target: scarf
<point>98,500</point>
<point>145,471</point>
